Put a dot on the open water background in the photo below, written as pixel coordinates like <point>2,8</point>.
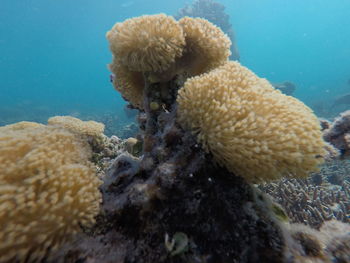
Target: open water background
<point>53,53</point>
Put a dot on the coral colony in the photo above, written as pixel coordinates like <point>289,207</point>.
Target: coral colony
<point>183,190</point>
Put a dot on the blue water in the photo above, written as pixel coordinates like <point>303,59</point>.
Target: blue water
<point>53,53</point>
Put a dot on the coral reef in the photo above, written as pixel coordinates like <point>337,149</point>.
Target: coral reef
<point>206,46</point>
<point>330,244</point>
<point>332,153</point>
<point>314,200</point>
<point>215,13</point>
<point>165,199</point>
<point>254,130</point>
<point>335,172</point>
<point>147,43</point>
<point>195,47</point>
<point>338,133</point>
<point>21,126</point>
<point>129,83</point>
<point>48,190</point>
<point>173,203</point>
<point>89,128</point>
<point>144,208</point>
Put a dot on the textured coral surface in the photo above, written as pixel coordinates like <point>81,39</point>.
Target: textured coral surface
<point>147,43</point>
<point>159,47</point>
<point>253,129</point>
<point>48,189</point>
<point>90,128</point>
<point>207,47</point>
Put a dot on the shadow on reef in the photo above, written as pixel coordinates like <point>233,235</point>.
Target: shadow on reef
<point>177,191</point>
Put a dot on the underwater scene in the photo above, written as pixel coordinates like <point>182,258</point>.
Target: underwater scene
<point>199,131</point>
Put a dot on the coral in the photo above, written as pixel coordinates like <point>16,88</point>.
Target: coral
<point>89,128</point>
<point>336,168</point>
<point>338,134</point>
<point>309,204</point>
<point>129,83</point>
<point>147,43</point>
<point>174,187</point>
<point>48,189</point>
<point>158,47</point>
<point>325,124</point>
<point>207,47</point>
<point>338,236</point>
<point>332,153</point>
<point>20,126</point>
<point>133,146</point>
<point>249,127</point>
<point>143,209</point>
<point>308,239</point>
<point>174,204</point>
<point>215,13</point>
<point>330,244</point>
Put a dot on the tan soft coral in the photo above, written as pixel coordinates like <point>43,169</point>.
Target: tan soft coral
<point>48,188</point>
<point>147,43</point>
<point>158,47</point>
<point>90,128</point>
<point>129,83</point>
<point>21,125</point>
<point>248,126</point>
<point>207,47</point>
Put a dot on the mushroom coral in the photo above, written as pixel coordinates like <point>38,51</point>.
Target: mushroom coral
<point>147,43</point>
<point>129,83</point>
<point>162,47</point>
<point>207,47</point>
<point>251,128</point>
<point>48,190</point>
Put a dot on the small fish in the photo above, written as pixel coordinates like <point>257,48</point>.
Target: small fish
<point>342,100</point>
<point>111,77</point>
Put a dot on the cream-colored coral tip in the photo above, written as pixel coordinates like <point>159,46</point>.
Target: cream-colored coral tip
<point>207,46</point>
<point>91,128</point>
<point>251,128</point>
<point>48,188</point>
<point>21,125</point>
<point>147,43</point>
